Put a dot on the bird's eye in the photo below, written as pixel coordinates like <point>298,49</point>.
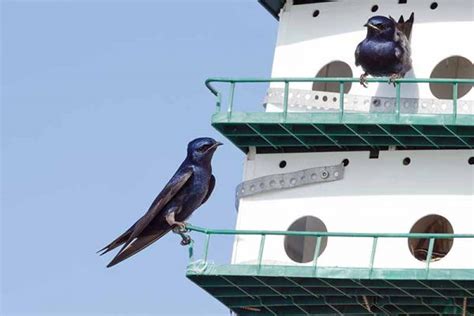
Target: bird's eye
<point>204,147</point>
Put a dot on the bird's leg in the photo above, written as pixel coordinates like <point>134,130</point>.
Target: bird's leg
<point>179,228</point>
<point>363,79</point>
<point>394,77</point>
<point>186,240</point>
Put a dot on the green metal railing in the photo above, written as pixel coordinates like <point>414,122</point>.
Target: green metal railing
<point>319,236</point>
<point>341,81</point>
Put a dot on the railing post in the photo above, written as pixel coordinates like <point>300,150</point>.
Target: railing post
<point>206,246</point>
<point>372,256</point>
<point>231,99</point>
<point>260,252</point>
<point>218,102</point>
<point>341,98</point>
<point>455,101</point>
<point>285,100</point>
<point>316,255</point>
<point>191,250</point>
<point>429,255</point>
<point>397,99</point>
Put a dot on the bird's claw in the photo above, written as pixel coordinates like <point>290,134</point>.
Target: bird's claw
<point>186,240</point>
<point>181,231</point>
<point>180,228</point>
<point>363,80</point>
<point>392,78</point>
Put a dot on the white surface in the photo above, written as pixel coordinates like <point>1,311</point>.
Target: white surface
<point>305,44</point>
<point>377,195</point>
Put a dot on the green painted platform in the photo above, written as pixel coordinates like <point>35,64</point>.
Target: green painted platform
<point>259,289</point>
<point>327,131</point>
<point>288,131</point>
<point>289,290</point>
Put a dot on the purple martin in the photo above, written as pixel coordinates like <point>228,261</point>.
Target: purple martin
<point>385,52</point>
<point>189,188</point>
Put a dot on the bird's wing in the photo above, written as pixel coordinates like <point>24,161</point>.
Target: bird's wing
<point>169,191</point>
<point>399,53</point>
<point>356,53</point>
<point>117,242</point>
<point>210,188</point>
<point>138,244</point>
<point>406,26</point>
<point>403,50</point>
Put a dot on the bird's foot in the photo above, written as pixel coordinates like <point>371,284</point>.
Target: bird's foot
<point>180,227</point>
<point>186,240</point>
<point>363,80</point>
<point>392,78</point>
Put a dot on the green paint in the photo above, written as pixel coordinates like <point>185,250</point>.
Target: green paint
<point>342,130</point>
<point>296,290</point>
<point>323,234</point>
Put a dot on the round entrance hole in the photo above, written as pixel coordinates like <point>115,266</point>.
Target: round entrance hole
<point>431,224</point>
<point>452,67</point>
<point>333,69</point>
<point>301,248</point>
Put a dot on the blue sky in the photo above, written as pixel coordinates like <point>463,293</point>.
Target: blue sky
<point>99,99</point>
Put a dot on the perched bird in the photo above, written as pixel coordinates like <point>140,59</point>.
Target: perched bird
<point>189,188</point>
<point>385,52</point>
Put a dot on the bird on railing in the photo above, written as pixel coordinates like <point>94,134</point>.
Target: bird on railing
<point>189,188</point>
<point>385,52</point>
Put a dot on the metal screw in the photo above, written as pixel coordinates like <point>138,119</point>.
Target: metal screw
<point>324,174</point>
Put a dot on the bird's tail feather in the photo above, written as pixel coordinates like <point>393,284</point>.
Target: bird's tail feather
<point>406,26</point>
<point>136,245</point>
<point>120,240</point>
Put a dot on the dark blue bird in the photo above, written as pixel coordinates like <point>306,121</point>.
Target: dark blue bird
<point>189,188</point>
<point>385,52</point>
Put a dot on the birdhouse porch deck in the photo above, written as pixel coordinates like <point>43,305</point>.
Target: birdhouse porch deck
<point>342,122</point>
<point>262,289</point>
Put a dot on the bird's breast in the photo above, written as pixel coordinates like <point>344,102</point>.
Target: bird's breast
<point>378,58</point>
<point>195,193</point>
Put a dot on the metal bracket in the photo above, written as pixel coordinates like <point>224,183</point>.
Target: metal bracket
<point>288,180</point>
<point>300,100</point>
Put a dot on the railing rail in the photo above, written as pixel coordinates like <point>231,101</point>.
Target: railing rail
<point>341,81</point>
<point>319,235</point>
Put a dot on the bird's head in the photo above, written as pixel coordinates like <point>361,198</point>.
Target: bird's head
<point>201,149</point>
<point>380,27</point>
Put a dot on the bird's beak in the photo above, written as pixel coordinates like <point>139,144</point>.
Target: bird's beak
<point>371,26</point>
<point>215,145</point>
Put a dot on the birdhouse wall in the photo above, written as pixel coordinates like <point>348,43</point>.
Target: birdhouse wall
<point>382,195</point>
<point>311,36</point>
